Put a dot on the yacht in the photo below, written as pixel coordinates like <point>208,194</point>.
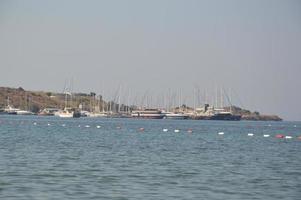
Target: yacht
<point>24,112</point>
<point>96,114</point>
<point>172,115</point>
<point>211,113</point>
<point>148,113</point>
<point>66,113</point>
<point>11,110</point>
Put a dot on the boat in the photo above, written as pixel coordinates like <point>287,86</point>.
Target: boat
<point>148,114</point>
<point>24,112</point>
<point>225,115</point>
<point>211,113</point>
<point>172,115</point>
<point>65,113</point>
<point>48,112</point>
<point>10,109</point>
<point>68,112</point>
<point>96,114</point>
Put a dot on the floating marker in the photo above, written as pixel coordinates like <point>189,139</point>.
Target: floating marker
<point>299,137</point>
<point>78,125</point>
<point>266,135</point>
<point>98,126</point>
<point>176,130</point>
<point>48,124</point>
<point>269,125</point>
<point>118,127</point>
<point>35,123</point>
<point>87,126</point>
<point>295,126</point>
<point>279,136</point>
<point>250,134</point>
<point>141,129</point>
<point>221,133</point>
<point>189,130</point>
<point>288,137</point>
<point>63,125</point>
<point>165,130</point>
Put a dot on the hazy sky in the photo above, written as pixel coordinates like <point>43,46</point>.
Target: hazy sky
<point>252,47</point>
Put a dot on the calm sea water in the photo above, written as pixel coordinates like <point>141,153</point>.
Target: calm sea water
<point>57,159</point>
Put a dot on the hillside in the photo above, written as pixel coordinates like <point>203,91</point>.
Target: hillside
<point>35,101</point>
<point>254,116</point>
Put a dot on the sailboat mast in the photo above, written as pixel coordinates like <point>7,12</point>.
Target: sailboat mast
<point>222,100</point>
<point>216,97</point>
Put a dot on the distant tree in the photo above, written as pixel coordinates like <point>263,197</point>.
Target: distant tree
<point>49,94</point>
<point>256,113</point>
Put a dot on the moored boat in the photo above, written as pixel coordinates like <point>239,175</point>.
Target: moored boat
<point>66,113</point>
<point>172,115</point>
<point>24,112</point>
<point>228,116</point>
<point>148,113</point>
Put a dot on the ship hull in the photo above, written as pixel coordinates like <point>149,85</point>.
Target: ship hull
<point>180,117</point>
<point>148,116</point>
<point>226,117</point>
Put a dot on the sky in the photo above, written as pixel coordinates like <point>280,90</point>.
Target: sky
<point>249,47</point>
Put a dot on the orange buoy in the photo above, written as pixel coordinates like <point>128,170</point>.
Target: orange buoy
<point>279,136</point>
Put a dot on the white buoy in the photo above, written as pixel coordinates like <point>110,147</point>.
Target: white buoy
<point>35,123</point>
<point>87,126</point>
<point>165,130</point>
<point>98,126</point>
<point>250,134</point>
<point>221,133</point>
<point>266,135</point>
<point>288,137</point>
<point>63,125</point>
<point>295,126</point>
<point>176,130</point>
<point>270,125</point>
<point>78,125</point>
<point>48,124</point>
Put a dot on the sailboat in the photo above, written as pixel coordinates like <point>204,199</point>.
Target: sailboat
<point>10,109</point>
<point>96,109</point>
<point>66,112</point>
<point>27,110</point>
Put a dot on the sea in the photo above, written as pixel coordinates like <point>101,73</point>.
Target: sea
<point>120,159</point>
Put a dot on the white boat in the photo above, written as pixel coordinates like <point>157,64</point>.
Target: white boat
<point>66,113</point>
<point>24,112</point>
<point>147,113</point>
<point>172,115</point>
<point>96,114</point>
<point>48,111</point>
<point>11,110</point>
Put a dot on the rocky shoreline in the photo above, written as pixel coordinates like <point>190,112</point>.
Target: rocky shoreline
<point>38,100</point>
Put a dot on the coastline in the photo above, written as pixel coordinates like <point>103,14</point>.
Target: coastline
<point>35,101</point>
